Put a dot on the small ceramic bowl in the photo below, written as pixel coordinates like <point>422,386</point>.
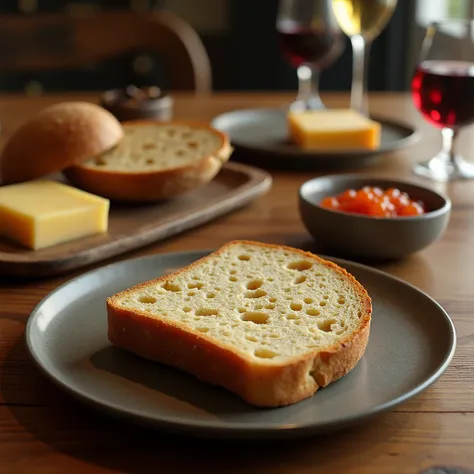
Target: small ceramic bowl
<point>366,237</point>
<point>135,103</point>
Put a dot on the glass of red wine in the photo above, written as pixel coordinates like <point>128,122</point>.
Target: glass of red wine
<point>443,91</point>
<point>310,40</point>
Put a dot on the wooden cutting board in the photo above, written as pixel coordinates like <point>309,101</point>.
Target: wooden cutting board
<point>134,226</point>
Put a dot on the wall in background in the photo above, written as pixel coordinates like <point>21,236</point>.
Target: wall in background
<point>240,38</point>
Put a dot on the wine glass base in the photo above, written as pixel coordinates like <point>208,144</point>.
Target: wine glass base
<point>439,169</point>
<point>301,105</point>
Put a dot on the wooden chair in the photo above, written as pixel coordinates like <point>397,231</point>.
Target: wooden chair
<point>60,41</point>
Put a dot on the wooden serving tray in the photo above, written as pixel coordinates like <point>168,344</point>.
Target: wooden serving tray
<point>134,226</point>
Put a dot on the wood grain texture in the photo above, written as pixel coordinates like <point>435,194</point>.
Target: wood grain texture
<point>42,430</point>
<point>132,226</point>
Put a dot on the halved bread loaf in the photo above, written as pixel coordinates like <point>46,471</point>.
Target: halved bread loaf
<point>270,323</point>
<point>154,160</point>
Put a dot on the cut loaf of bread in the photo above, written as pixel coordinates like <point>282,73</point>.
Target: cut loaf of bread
<point>270,323</point>
<point>154,161</point>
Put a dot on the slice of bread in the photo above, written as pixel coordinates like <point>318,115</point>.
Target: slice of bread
<point>57,137</point>
<point>270,323</point>
<point>154,161</point>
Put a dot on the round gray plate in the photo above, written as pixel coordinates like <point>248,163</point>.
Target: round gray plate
<point>412,342</point>
<point>262,135</point>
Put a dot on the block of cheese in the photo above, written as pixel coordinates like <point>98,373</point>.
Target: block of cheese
<point>333,129</point>
<point>39,214</point>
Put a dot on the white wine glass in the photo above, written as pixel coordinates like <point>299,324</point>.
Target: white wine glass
<point>362,21</point>
<point>311,40</point>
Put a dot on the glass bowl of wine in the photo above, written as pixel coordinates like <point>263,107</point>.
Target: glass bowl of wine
<point>310,40</point>
<point>443,92</point>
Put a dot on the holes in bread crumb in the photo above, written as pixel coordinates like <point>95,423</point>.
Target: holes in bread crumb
<point>255,294</point>
<point>192,145</point>
<point>270,279</point>
<point>270,306</point>
<point>180,152</point>
<point>169,286</point>
<point>265,354</point>
<point>225,332</point>
<point>313,312</point>
<point>233,278</point>
<point>149,146</point>
<point>256,317</point>
<point>296,306</point>
<point>259,306</point>
<point>187,309</point>
<point>308,300</point>
<point>207,312</point>
<point>241,310</point>
<point>326,324</point>
<point>251,338</point>
<point>210,295</point>
<point>322,303</point>
<point>300,279</point>
<point>244,257</point>
<point>254,284</point>
<point>147,299</point>
<point>203,329</point>
<point>100,162</point>
<point>195,277</point>
<point>233,272</point>
<point>300,265</point>
<point>150,161</point>
<point>198,285</point>
<point>359,314</point>
<point>287,290</point>
<point>292,316</point>
<point>326,297</point>
<point>322,285</point>
<point>275,336</point>
<point>191,293</point>
<point>272,299</point>
<point>341,301</point>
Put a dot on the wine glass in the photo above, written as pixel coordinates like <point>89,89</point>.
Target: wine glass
<point>443,91</point>
<point>362,21</point>
<point>311,40</point>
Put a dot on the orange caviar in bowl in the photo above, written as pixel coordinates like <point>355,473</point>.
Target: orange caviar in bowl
<point>376,202</point>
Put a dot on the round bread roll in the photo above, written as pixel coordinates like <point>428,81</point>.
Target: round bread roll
<point>154,161</point>
<point>59,136</point>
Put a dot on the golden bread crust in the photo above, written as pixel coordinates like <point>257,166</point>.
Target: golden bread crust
<point>56,138</point>
<point>260,384</point>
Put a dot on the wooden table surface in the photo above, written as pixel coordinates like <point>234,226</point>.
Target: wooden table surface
<point>43,431</point>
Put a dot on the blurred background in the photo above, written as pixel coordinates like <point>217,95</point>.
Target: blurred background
<point>238,35</point>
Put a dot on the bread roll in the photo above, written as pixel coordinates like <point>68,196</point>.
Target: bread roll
<point>58,137</point>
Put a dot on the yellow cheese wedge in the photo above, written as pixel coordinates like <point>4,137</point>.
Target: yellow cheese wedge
<point>39,214</point>
<point>333,129</point>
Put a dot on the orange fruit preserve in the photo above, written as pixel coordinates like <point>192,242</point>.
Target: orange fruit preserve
<point>374,201</point>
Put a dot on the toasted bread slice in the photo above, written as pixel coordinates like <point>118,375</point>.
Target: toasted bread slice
<point>154,161</point>
<point>270,323</point>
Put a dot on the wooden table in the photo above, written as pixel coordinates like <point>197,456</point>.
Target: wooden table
<point>43,431</point>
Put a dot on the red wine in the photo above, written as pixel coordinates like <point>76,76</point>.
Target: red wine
<point>319,46</point>
<point>443,91</point>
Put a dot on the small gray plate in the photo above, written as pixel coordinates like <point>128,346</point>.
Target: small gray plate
<point>412,342</point>
<point>261,135</point>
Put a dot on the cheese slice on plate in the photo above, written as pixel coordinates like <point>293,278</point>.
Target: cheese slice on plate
<point>39,214</point>
<point>334,129</point>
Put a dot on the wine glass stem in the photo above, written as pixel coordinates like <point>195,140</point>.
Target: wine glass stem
<point>308,85</point>
<point>448,138</point>
<point>360,51</point>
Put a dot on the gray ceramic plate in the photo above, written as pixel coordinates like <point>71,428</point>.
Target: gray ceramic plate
<point>411,344</point>
<point>261,136</point>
